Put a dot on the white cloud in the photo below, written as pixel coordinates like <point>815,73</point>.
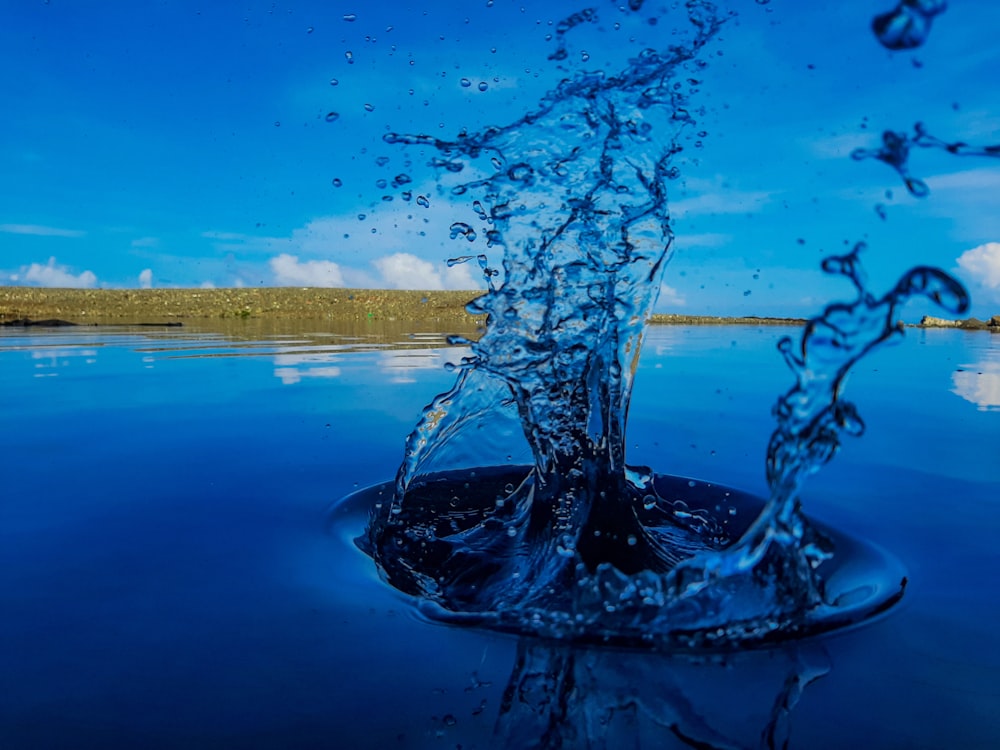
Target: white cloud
<point>716,196</point>
<point>228,236</point>
<point>982,178</point>
<point>141,242</point>
<point>146,278</point>
<point>702,239</point>
<point>39,230</point>
<point>840,146</point>
<point>407,271</point>
<point>670,297</point>
<point>288,270</point>
<point>52,274</point>
<point>398,244</point>
<point>239,242</point>
<point>983,264</point>
<point>207,285</point>
<point>728,202</point>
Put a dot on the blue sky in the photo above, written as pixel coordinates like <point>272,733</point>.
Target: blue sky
<point>188,144</point>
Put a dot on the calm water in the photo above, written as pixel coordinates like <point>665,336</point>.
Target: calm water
<point>168,576</point>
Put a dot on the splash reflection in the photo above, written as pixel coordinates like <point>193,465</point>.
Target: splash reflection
<point>560,697</point>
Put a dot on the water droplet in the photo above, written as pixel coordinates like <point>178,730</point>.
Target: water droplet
<point>350,57</point>
<point>461,229</point>
<point>277,123</point>
<point>520,172</point>
<point>334,82</point>
<point>422,201</point>
<point>337,182</point>
<point>332,116</point>
<point>465,83</point>
<point>350,17</point>
<point>310,30</point>
<point>369,107</point>
<point>483,86</point>
<point>908,25</point>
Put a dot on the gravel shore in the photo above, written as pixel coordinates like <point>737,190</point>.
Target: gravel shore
<point>397,308</point>
<point>178,305</point>
<point>280,303</point>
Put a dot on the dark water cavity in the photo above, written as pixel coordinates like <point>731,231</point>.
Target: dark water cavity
<point>578,544</point>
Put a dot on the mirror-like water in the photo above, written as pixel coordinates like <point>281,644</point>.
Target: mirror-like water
<point>166,577</point>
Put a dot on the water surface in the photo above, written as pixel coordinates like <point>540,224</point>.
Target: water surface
<point>167,575</point>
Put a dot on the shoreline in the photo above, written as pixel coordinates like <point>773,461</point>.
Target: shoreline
<point>36,305</point>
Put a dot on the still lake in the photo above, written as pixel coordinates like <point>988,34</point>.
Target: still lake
<point>169,576</point>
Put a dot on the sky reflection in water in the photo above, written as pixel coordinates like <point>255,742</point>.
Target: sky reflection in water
<point>165,572</point>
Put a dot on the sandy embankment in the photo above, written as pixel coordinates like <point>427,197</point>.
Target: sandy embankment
<point>400,307</point>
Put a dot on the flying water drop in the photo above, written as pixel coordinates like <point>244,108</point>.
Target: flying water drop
<point>897,147</point>
<point>908,25</point>
<point>461,229</point>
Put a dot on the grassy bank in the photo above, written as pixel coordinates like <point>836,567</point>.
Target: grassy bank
<point>402,307</point>
<point>281,303</point>
<point>170,305</point>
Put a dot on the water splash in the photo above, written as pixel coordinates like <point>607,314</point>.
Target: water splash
<point>896,147</point>
<point>579,545</point>
<point>908,24</point>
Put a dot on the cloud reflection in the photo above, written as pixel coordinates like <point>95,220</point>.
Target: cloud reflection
<point>400,365</point>
<point>292,368</point>
<point>48,361</point>
<point>979,383</point>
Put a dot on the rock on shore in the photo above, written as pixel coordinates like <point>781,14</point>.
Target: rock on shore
<point>969,324</point>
